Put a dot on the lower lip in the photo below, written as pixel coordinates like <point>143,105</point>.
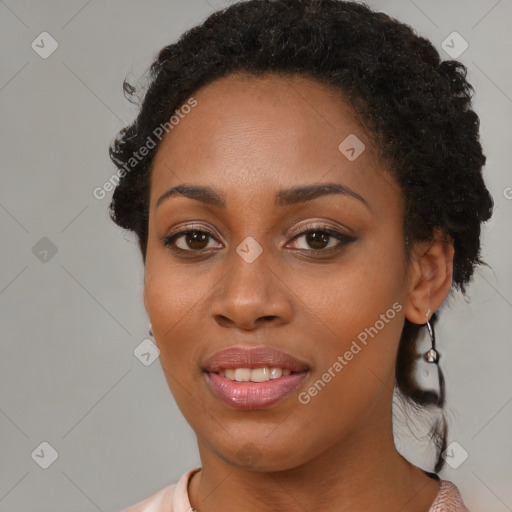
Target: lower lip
<point>254,395</point>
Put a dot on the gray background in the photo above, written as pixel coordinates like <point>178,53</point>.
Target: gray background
<point>70,324</point>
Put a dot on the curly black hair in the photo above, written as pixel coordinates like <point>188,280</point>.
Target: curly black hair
<point>415,107</point>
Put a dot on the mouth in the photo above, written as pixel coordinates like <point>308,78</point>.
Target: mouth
<point>254,378</point>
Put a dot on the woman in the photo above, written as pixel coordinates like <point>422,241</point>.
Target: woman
<point>305,181</point>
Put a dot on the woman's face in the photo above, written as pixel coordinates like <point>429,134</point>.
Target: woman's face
<point>248,275</point>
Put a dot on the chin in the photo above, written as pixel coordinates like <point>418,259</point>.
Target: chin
<point>260,454</point>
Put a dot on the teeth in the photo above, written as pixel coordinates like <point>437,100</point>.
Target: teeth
<point>259,375</point>
<point>254,374</point>
<point>243,374</point>
<point>275,373</point>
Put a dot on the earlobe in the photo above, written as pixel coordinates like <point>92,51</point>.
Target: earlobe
<point>430,277</point>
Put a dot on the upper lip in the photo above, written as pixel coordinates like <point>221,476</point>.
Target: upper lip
<point>253,357</point>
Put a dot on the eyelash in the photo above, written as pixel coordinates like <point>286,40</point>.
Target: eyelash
<point>343,240</point>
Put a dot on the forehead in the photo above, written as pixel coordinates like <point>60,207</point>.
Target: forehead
<point>248,134</point>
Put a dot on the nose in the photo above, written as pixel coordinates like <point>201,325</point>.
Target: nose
<point>251,295</point>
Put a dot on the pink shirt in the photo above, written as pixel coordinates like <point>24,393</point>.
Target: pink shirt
<point>174,498</point>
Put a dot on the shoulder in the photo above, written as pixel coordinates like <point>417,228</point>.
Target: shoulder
<point>173,498</point>
<point>448,499</point>
<point>160,501</point>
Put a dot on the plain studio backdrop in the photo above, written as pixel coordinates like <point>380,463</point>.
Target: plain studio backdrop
<point>84,424</point>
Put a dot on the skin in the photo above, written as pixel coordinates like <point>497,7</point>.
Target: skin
<point>248,138</point>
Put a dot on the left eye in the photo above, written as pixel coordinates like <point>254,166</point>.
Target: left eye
<point>317,239</point>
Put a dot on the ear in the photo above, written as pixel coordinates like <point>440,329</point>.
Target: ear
<point>429,277</point>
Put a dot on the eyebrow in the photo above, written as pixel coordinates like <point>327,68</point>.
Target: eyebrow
<point>284,197</point>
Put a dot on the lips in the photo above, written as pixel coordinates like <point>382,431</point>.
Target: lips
<point>254,357</point>
<point>253,395</point>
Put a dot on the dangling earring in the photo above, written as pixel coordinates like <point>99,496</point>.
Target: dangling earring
<point>150,331</point>
<point>431,356</point>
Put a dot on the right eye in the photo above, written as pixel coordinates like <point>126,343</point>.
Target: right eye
<point>188,240</point>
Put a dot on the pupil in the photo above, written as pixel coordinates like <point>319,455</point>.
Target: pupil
<point>196,237</point>
<point>317,238</point>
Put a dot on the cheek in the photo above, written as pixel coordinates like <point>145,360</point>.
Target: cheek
<point>351,296</point>
<point>172,292</point>
<point>357,315</point>
<point>172,298</point>
<point>170,301</point>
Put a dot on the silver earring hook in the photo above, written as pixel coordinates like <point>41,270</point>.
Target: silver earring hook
<point>432,355</point>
